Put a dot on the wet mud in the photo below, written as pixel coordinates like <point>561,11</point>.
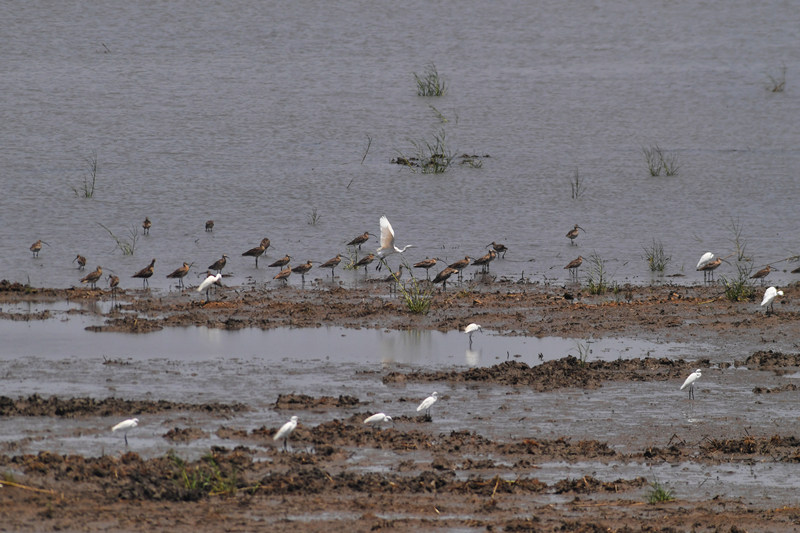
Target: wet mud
<point>456,480</point>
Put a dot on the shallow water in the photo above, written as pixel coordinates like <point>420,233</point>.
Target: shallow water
<point>255,114</point>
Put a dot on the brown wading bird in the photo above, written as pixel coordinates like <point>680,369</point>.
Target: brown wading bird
<point>146,226</point>
<point>81,261</point>
<point>361,239</point>
<point>709,268</point>
<point>394,278</point>
<point>573,265</point>
<point>219,264</point>
<point>499,248</point>
<point>443,276</point>
<point>573,233</point>
<point>284,274</point>
<point>209,225</point>
<point>113,282</point>
<point>179,273</point>
<point>258,251</point>
<point>37,246</point>
<point>365,261</point>
<point>332,263</point>
<point>145,273</point>
<point>92,277</point>
<point>427,264</point>
<point>484,260</point>
<point>281,262</point>
<point>302,269</point>
<point>761,274</point>
<point>458,266</point>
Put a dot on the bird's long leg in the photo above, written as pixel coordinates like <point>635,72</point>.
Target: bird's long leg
<point>126,438</point>
<point>691,391</point>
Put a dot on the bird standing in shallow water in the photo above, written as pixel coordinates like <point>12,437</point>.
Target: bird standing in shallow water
<point>361,239</point>
<point>709,267</point>
<point>484,260</point>
<point>80,260</point>
<point>92,277</point>
<point>113,283</point>
<point>37,247</point>
<point>209,225</point>
<point>769,298</point>
<point>284,274</point>
<point>179,273</point>
<point>332,263</point>
<point>694,376</point>
<point>302,269</point>
<point>499,248</point>
<point>573,233</point>
<point>145,273</point>
<point>573,265</point>
<point>258,251</point>
<point>377,419</point>
<point>365,261</point>
<point>470,329</point>
<point>427,264</point>
<point>126,425</point>
<point>146,226</point>
<point>285,431</point>
<point>427,403</point>
<point>282,262</point>
<point>211,279</point>
<point>387,246</point>
<point>459,266</point>
<point>219,264</point>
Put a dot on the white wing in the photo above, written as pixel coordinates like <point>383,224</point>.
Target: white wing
<point>472,327</point>
<point>769,295</point>
<point>286,429</point>
<point>705,259</point>
<point>387,235</point>
<point>379,417</point>
<point>691,379</point>
<point>427,402</point>
<point>126,424</point>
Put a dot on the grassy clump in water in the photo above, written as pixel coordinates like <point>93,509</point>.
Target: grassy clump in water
<point>659,493</point>
<point>430,83</point>
<point>656,258</point>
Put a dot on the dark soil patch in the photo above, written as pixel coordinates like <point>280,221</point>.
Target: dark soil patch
<point>36,405</point>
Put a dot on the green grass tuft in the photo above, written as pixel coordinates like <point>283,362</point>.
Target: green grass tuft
<point>659,493</point>
<point>656,258</point>
<point>430,83</point>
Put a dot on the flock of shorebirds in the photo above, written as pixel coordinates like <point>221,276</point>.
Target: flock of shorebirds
<point>708,262</point>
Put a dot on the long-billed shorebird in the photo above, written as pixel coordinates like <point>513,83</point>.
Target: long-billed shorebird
<point>146,273</point>
<point>113,283</point>
<point>92,277</point>
<point>219,264</point>
<point>761,274</point>
<point>209,225</point>
<point>179,273</point>
<point>573,265</point>
<point>394,278</point>
<point>37,247</point>
<point>499,248</point>
<point>302,269</point>
<point>443,276</point>
<point>709,267</point>
<point>387,246</point>
<point>282,262</point>
<point>146,226</point>
<point>80,260</point>
<point>258,251</point>
<point>573,233</point>
<point>460,265</point>
<point>361,239</point>
<point>484,260</point>
<point>332,263</point>
<point>427,264</point>
<point>283,275</point>
<point>365,262</point>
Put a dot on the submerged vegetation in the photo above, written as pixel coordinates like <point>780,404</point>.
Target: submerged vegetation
<point>430,83</point>
<point>660,161</point>
<point>86,189</point>
<point>778,83</point>
<point>577,185</point>
<point>597,279</point>
<point>656,257</point>
<point>126,246</point>
<point>659,493</point>
<point>431,156</point>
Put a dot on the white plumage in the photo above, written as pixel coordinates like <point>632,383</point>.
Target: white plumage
<point>377,419</point>
<point>125,425</point>
<point>694,376</point>
<point>285,431</point>
<point>212,279</point>
<point>769,297</point>
<point>387,240</point>
<point>704,260</point>
<point>427,403</point>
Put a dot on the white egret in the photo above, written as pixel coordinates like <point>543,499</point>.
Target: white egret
<point>211,279</point>
<point>378,419</point>
<point>694,376</point>
<point>769,296</point>
<point>427,403</point>
<point>387,241</point>
<point>125,425</point>
<point>285,431</point>
<point>470,329</point>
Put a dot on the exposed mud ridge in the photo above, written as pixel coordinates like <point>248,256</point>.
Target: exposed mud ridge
<point>302,401</point>
<point>766,360</point>
<point>560,373</point>
<point>771,390</point>
<point>128,324</point>
<point>36,405</point>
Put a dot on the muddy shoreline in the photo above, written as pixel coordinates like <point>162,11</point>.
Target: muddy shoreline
<point>457,480</point>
